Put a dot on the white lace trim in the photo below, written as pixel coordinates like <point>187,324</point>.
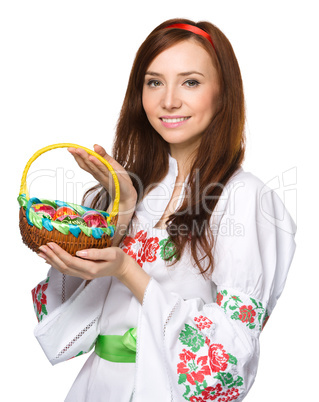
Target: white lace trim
<point>76,338</point>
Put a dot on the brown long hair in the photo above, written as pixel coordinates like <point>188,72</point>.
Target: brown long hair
<point>143,152</point>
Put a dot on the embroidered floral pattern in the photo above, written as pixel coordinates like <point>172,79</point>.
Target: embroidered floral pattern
<point>141,248</point>
<point>79,354</point>
<point>265,320</point>
<point>191,368</point>
<point>133,246</point>
<point>150,248</point>
<point>203,322</point>
<point>192,338</point>
<point>146,249</point>
<point>167,250</point>
<point>216,394</point>
<point>249,311</point>
<point>40,299</point>
<point>218,358</point>
<point>195,370</point>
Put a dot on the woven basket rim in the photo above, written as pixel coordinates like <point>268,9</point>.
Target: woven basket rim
<point>64,227</point>
<point>34,237</point>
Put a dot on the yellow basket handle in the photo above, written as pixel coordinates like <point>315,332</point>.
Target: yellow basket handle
<point>23,187</point>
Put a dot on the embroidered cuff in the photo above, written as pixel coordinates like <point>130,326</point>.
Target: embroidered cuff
<point>248,310</point>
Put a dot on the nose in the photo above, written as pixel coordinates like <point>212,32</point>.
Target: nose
<point>171,99</point>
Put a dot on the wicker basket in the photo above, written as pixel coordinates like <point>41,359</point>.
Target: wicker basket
<point>70,234</point>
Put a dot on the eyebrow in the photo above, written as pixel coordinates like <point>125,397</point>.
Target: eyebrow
<point>152,73</point>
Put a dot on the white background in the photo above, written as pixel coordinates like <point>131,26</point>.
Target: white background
<point>63,74</point>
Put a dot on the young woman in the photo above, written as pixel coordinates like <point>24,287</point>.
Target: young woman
<point>175,307</point>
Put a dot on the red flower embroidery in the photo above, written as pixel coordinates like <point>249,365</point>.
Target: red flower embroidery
<point>203,322</point>
<point>196,399</point>
<point>195,370</point>
<point>219,299</point>
<point>210,392</point>
<point>265,321</point>
<point>247,314</point>
<point>40,299</point>
<point>218,358</point>
<point>150,249</point>
<point>216,394</point>
<point>141,248</point>
<point>134,246</point>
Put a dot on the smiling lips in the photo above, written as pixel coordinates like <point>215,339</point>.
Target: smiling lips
<point>173,121</point>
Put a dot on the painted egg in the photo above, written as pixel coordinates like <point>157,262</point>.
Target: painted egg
<point>94,219</point>
<point>64,211</point>
<point>71,220</point>
<point>44,210</point>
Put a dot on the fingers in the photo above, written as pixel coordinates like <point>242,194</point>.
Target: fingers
<point>92,264</point>
<point>94,254</point>
<point>64,262</point>
<point>79,159</point>
<point>92,165</point>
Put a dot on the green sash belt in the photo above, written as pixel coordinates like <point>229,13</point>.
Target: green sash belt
<point>117,348</point>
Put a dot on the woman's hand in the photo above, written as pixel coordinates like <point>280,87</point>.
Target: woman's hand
<point>100,172</point>
<point>95,263</point>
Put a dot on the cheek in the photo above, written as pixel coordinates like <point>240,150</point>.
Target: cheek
<point>147,104</point>
<point>208,103</point>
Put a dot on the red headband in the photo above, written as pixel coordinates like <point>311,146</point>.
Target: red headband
<point>193,29</point>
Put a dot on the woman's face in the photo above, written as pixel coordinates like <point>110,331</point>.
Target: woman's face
<point>180,93</point>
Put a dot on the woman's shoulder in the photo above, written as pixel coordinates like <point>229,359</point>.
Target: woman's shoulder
<point>245,194</point>
<point>247,180</point>
<point>242,188</point>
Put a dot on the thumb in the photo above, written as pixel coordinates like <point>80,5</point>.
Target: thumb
<point>100,150</point>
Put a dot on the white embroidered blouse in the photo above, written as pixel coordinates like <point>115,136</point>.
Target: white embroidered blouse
<point>197,339</point>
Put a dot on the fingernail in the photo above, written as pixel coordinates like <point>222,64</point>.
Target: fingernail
<point>51,245</point>
<point>82,253</point>
<point>42,248</point>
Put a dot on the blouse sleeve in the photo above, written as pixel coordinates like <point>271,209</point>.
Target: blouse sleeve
<point>202,352</point>
<point>68,313</point>
<point>69,327</point>
<point>52,292</point>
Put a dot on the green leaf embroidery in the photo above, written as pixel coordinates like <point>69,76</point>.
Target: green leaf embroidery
<point>255,303</point>
<point>237,298</point>
<point>228,380</point>
<point>187,391</point>
<point>167,249</point>
<point>44,309</point>
<point>182,378</point>
<point>235,316</point>
<point>239,382</point>
<point>192,338</point>
<point>232,359</point>
<point>252,317</point>
<point>199,388</point>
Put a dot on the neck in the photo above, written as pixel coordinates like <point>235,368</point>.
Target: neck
<point>184,162</point>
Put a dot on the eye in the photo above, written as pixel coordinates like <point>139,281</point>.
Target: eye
<point>191,83</point>
<point>154,83</point>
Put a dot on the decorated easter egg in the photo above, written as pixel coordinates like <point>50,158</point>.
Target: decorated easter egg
<point>44,210</point>
<point>71,220</point>
<point>94,219</point>
<point>65,211</point>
